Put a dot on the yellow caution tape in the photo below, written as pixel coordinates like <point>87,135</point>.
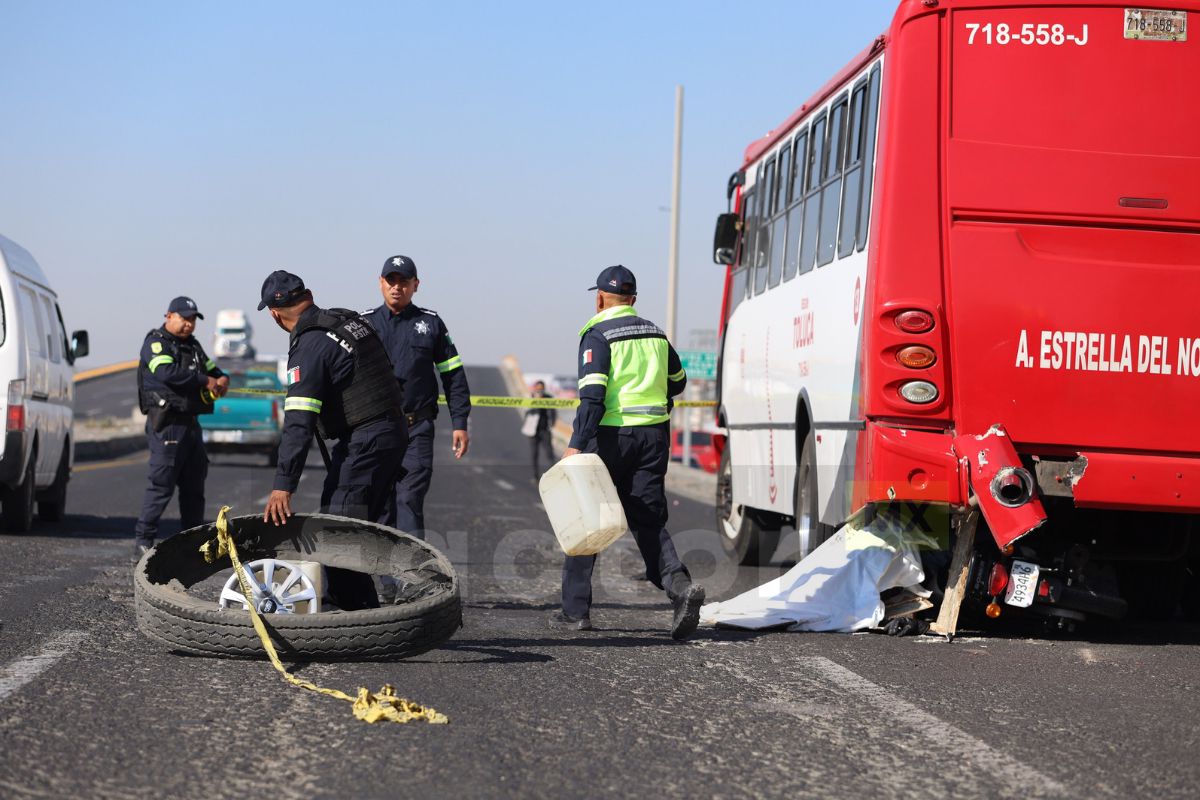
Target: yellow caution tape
<point>505,402</point>
<point>369,707</point>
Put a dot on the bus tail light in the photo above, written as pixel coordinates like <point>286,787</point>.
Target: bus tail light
<point>15,418</point>
<point>914,321</point>
<point>997,580</point>
<point>919,392</point>
<point>916,357</point>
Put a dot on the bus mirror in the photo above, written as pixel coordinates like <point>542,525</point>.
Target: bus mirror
<point>725,238</point>
<point>79,344</point>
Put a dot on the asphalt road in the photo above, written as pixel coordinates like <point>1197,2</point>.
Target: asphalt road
<point>115,395</point>
<point>90,708</point>
<point>112,395</point>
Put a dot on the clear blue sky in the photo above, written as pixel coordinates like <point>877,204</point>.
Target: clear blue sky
<point>512,149</point>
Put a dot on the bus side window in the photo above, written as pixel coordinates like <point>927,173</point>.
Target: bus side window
<point>831,188</point>
<point>795,216</point>
<point>767,205</point>
<point>749,227</point>
<point>869,130</point>
<point>812,206</point>
<point>854,156</point>
<point>779,226</point>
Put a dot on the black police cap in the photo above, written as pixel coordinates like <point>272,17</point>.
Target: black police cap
<point>184,307</point>
<point>281,289</point>
<point>403,265</point>
<point>616,280</point>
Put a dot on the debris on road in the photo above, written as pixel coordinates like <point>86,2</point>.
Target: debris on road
<point>837,587</point>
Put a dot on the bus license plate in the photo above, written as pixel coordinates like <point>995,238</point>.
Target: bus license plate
<point>1155,25</point>
<point>1022,584</point>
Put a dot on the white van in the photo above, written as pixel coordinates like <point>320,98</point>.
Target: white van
<point>38,390</point>
<point>232,339</point>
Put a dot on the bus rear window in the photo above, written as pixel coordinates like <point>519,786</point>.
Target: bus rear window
<point>1067,78</point>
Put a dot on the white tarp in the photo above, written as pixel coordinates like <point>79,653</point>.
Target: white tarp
<point>837,587</point>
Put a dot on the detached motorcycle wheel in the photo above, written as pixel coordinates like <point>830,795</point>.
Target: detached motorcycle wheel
<point>167,614</point>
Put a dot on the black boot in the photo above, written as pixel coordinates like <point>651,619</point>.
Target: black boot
<point>687,598</point>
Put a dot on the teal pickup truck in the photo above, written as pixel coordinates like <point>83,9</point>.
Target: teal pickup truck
<point>247,423</point>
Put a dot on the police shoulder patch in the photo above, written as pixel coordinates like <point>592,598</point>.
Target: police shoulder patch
<point>293,375</point>
<point>587,356</point>
<point>156,347</point>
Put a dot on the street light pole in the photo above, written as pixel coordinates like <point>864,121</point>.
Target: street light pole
<point>673,256</point>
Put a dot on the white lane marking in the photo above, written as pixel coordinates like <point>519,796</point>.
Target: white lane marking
<point>477,470</point>
<point>1088,656</point>
<point>942,742</point>
<point>262,501</point>
<point>26,668</point>
<point>505,485</point>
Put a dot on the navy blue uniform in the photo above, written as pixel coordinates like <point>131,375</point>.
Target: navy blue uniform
<point>369,455</point>
<point>171,373</point>
<point>420,347</point>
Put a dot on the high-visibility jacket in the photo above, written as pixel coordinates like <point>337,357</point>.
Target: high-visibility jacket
<point>628,373</point>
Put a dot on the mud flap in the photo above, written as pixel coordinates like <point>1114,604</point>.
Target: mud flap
<point>1003,488</point>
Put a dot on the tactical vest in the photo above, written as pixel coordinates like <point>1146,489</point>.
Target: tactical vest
<point>184,353</point>
<point>373,391</point>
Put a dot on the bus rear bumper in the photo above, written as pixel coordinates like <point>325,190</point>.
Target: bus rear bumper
<point>937,467</point>
<point>904,464</point>
<point>1124,481</point>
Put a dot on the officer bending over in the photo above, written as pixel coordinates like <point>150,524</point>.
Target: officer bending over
<point>628,372</point>
<point>340,384</point>
<point>176,381</point>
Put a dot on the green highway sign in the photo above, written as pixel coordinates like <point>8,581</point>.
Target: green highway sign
<point>699,364</point>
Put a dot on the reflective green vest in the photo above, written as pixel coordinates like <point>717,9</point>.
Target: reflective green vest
<point>636,389</point>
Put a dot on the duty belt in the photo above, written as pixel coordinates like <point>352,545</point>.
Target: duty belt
<point>420,415</point>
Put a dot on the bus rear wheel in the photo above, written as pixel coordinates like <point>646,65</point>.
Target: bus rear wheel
<point>743,536</point>
<point>809,528</point>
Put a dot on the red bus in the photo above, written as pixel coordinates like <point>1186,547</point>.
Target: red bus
<point>962,275</point>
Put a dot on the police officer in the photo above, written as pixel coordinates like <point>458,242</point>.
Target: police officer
<point>340,384</point>
<point>176,382</point>
<point>420,348</point>
<point>628,372</point>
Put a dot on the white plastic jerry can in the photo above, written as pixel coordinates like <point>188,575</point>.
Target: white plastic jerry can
<point>582,504</point>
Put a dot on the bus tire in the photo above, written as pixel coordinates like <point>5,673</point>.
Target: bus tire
<point>183,622</point>
<point>810,531</point>
<point>743,535</point>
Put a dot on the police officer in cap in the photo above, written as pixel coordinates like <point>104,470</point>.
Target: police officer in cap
<point>340,384</point>
<point>176,382</point>
<point>421,351</point>
<point>628,373</point>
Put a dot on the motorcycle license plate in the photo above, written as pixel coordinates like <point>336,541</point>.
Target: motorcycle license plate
<point>1022,584</point>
